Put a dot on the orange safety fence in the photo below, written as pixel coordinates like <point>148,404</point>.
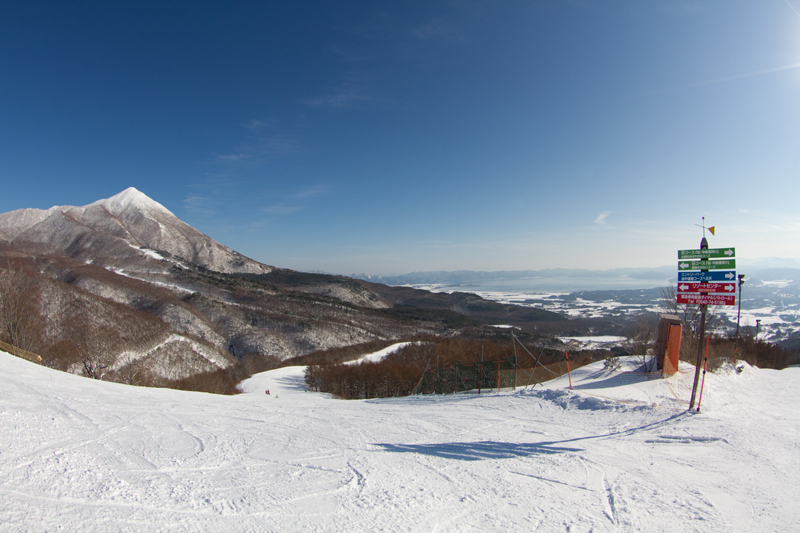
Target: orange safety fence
<point>458,378</point>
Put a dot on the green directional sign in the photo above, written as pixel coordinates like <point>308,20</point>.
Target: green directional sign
<point>722,264</point>
<point>708,253</point>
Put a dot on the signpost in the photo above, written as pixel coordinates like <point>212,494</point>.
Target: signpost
<point>719,264</point>
<point>722,275</point>
<point>705,288</point>
<point>706,299</point>
<point>707,253</point>
<point>725,288</point>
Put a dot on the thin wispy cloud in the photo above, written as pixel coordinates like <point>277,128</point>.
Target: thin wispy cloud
<point>437,29</point>
<point>199,205</point>
<point>601,218</point>
<point>792,8</point>
<point>291,205</point>
<point>428,30</point>
<point>214,195</point>
<point>685,7</point>
<point>260,147</point>
<point>346,95</point>
<point>352,92</point>
<point>256,125</point>
<point>281,209</point>
<point>280,146</point>
<point>312,192</point>
<point>351,54</point>
<point>725,79</point>
<point>232,158</point>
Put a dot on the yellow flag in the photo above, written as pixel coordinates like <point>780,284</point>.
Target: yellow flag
<point>711,229</point>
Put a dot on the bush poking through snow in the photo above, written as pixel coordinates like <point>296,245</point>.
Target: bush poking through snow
<point>611,363</point>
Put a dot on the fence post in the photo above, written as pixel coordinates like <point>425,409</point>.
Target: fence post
<point>705,366</point>
<point>568,374</point>
<point>515,363</point>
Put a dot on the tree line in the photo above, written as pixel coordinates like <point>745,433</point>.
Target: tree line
<point>399,373</point>
<point>76,331</point>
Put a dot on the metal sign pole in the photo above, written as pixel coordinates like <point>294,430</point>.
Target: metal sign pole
<point>702,288</point>
<point>738,316</point>
<point>703,309</point>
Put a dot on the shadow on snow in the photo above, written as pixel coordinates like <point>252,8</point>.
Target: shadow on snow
<point>476,451</point>
<point>606,380</point>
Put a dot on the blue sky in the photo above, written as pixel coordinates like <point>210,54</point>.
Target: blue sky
<point>390,137</point>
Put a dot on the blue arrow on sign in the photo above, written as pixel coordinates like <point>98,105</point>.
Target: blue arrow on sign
<point>718,275</point>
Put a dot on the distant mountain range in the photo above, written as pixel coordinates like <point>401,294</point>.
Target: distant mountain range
<point>465,277</point>
<point>761,269</point>
<point>771,292</point>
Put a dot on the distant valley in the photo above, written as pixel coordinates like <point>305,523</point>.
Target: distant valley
<point>605,298</point>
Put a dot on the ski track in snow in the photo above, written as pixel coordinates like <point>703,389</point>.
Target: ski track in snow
<point>83,455</point>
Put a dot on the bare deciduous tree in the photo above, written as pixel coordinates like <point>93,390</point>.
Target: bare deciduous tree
<point>20,321</point>
<point>641,336</point>
<point>91,337</point>
<point>93,369</point>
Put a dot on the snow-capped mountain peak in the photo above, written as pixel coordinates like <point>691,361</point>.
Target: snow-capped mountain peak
<point>130,198</point>
<point>111,228</point>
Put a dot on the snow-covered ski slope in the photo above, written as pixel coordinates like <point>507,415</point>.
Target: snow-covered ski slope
<point>83,455</point>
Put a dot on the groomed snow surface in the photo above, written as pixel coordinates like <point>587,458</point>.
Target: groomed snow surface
<point>619,453</point>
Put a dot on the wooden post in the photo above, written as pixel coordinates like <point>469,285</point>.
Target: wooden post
<point>665,322</point>
<point>672,350</point>
<point>436,376</point>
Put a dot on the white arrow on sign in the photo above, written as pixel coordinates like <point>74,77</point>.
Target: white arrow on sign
<point>684,287</point>
<point>730,287</point>
<point>729,252</point>
<point>684,265</point>
<point>730,275</point>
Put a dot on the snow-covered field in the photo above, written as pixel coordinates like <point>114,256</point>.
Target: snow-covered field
<point>597,342</point>
<point>380,354</point>
<point>777,315</point>
<point>619,453</point>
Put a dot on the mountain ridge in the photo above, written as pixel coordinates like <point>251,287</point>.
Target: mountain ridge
<point>766,268</point>
<point>128,223</point>
<point>458,277</point>
<point>122,284</point>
